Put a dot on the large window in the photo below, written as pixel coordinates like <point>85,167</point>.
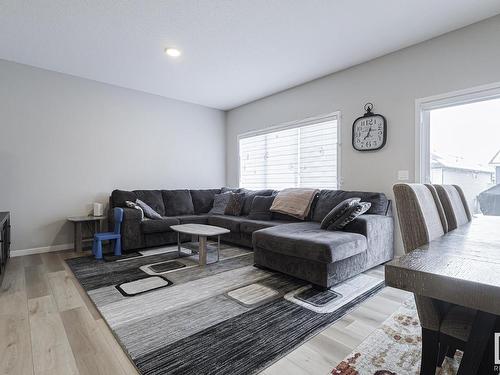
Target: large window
<point>460,144</point>
<point>302,154</point>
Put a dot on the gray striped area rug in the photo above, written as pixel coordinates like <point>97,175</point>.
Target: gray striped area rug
<point>228,317</point>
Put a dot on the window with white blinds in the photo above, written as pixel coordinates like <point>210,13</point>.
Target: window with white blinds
<point>299,155</point>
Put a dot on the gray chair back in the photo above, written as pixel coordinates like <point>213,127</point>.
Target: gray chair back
<point>454,205</point>
<point>421,219</point>
<point>420,214</point>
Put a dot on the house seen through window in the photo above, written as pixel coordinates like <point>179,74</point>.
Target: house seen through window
<point>465,150</point>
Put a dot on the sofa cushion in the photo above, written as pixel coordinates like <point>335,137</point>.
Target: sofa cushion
<point>250,195</point>
<point>250,226</point>
<point>283,217</point>
<point>203,200</point>
<point>229,222</point>
<point>118,197</point>
<point>156,226</point>
<point>193,219</point>
<point>153,199</point>
<point>177,202</point>
<point>308,241</point>
<point>261,208</point>
<point>328,199</point>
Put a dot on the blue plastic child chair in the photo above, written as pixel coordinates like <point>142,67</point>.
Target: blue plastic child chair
<point>107,236</point>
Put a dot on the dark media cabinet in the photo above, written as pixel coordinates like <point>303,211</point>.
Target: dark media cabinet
<point>4,242</point>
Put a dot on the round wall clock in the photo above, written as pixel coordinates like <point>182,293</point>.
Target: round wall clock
<point>369,132</point>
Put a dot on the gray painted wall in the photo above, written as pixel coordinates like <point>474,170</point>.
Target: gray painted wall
<point>66,142</point>
<point>462,59</point>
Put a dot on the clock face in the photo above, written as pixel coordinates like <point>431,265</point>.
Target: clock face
<point>369,133</point>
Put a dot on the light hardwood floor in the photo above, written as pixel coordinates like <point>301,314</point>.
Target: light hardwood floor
<point>48,325</point>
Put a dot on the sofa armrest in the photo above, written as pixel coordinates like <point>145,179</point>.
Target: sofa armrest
<point>131,229</point>
<point>366,224</point>
<point>131,214</point>
<point>379,232</point>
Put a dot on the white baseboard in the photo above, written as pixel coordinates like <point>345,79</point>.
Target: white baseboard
<point>40,250</point>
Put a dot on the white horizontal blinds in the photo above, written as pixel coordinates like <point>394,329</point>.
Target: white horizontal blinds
<point>269,160</point>
<point>298,156</point>
<point>318,155</point>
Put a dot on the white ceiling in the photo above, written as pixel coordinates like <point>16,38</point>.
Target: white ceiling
<point>234,51</point>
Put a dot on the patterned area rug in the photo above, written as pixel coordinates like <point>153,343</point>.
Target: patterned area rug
<point>392,349</point>
<point>172,316</point>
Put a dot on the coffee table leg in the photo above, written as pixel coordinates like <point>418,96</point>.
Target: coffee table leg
<point>203,250</point>
<point>178,244</point>
<point>218,248</point>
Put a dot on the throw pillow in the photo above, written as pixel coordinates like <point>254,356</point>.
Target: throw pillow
<point>352,213</point>
<point>220,203</point>
<point>260,209</point>
<point>235,204</point>
<point>153,199</point>
<point>148,211</point>
<point>250,195</point>
<point>338,211</point>
<point>134,205</point>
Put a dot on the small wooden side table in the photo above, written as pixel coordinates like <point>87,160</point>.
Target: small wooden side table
<point>93,225</point>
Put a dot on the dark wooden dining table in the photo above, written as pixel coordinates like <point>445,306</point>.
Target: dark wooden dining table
<point>462,267</point>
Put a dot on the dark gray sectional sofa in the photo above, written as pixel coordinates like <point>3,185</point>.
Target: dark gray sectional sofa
<point>283,243</point>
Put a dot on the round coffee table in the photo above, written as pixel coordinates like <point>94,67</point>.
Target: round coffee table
<point>202,231</point>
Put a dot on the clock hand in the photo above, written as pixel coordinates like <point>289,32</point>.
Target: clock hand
<point>368,134</point>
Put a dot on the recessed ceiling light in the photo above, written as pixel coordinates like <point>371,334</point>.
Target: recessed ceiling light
<point>172,52</point>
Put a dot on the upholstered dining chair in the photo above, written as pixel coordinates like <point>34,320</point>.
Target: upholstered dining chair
<point>454,205</point>
<point>445,327</point>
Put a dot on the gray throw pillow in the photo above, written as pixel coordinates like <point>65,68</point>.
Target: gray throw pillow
<point>352,213</point>
<point>338,211</point>
<point>220,203</point>
<point>148,211</point>
<point>250,195</point>
<point>235,204</point>
<point>135,206</point>
<point>261,206</point>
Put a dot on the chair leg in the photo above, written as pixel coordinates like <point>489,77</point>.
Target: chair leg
<point>94,246</point>
<point>118,247</point>
<point>443,351</point>
<point>430,343</point>
<point>98,254</point>
<point>451,352</point>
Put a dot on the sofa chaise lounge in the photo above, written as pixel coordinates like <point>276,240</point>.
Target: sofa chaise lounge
<point>299,248</point>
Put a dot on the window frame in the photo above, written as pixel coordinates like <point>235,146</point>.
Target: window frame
<point>297,124</point>
<point>423,106</point>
